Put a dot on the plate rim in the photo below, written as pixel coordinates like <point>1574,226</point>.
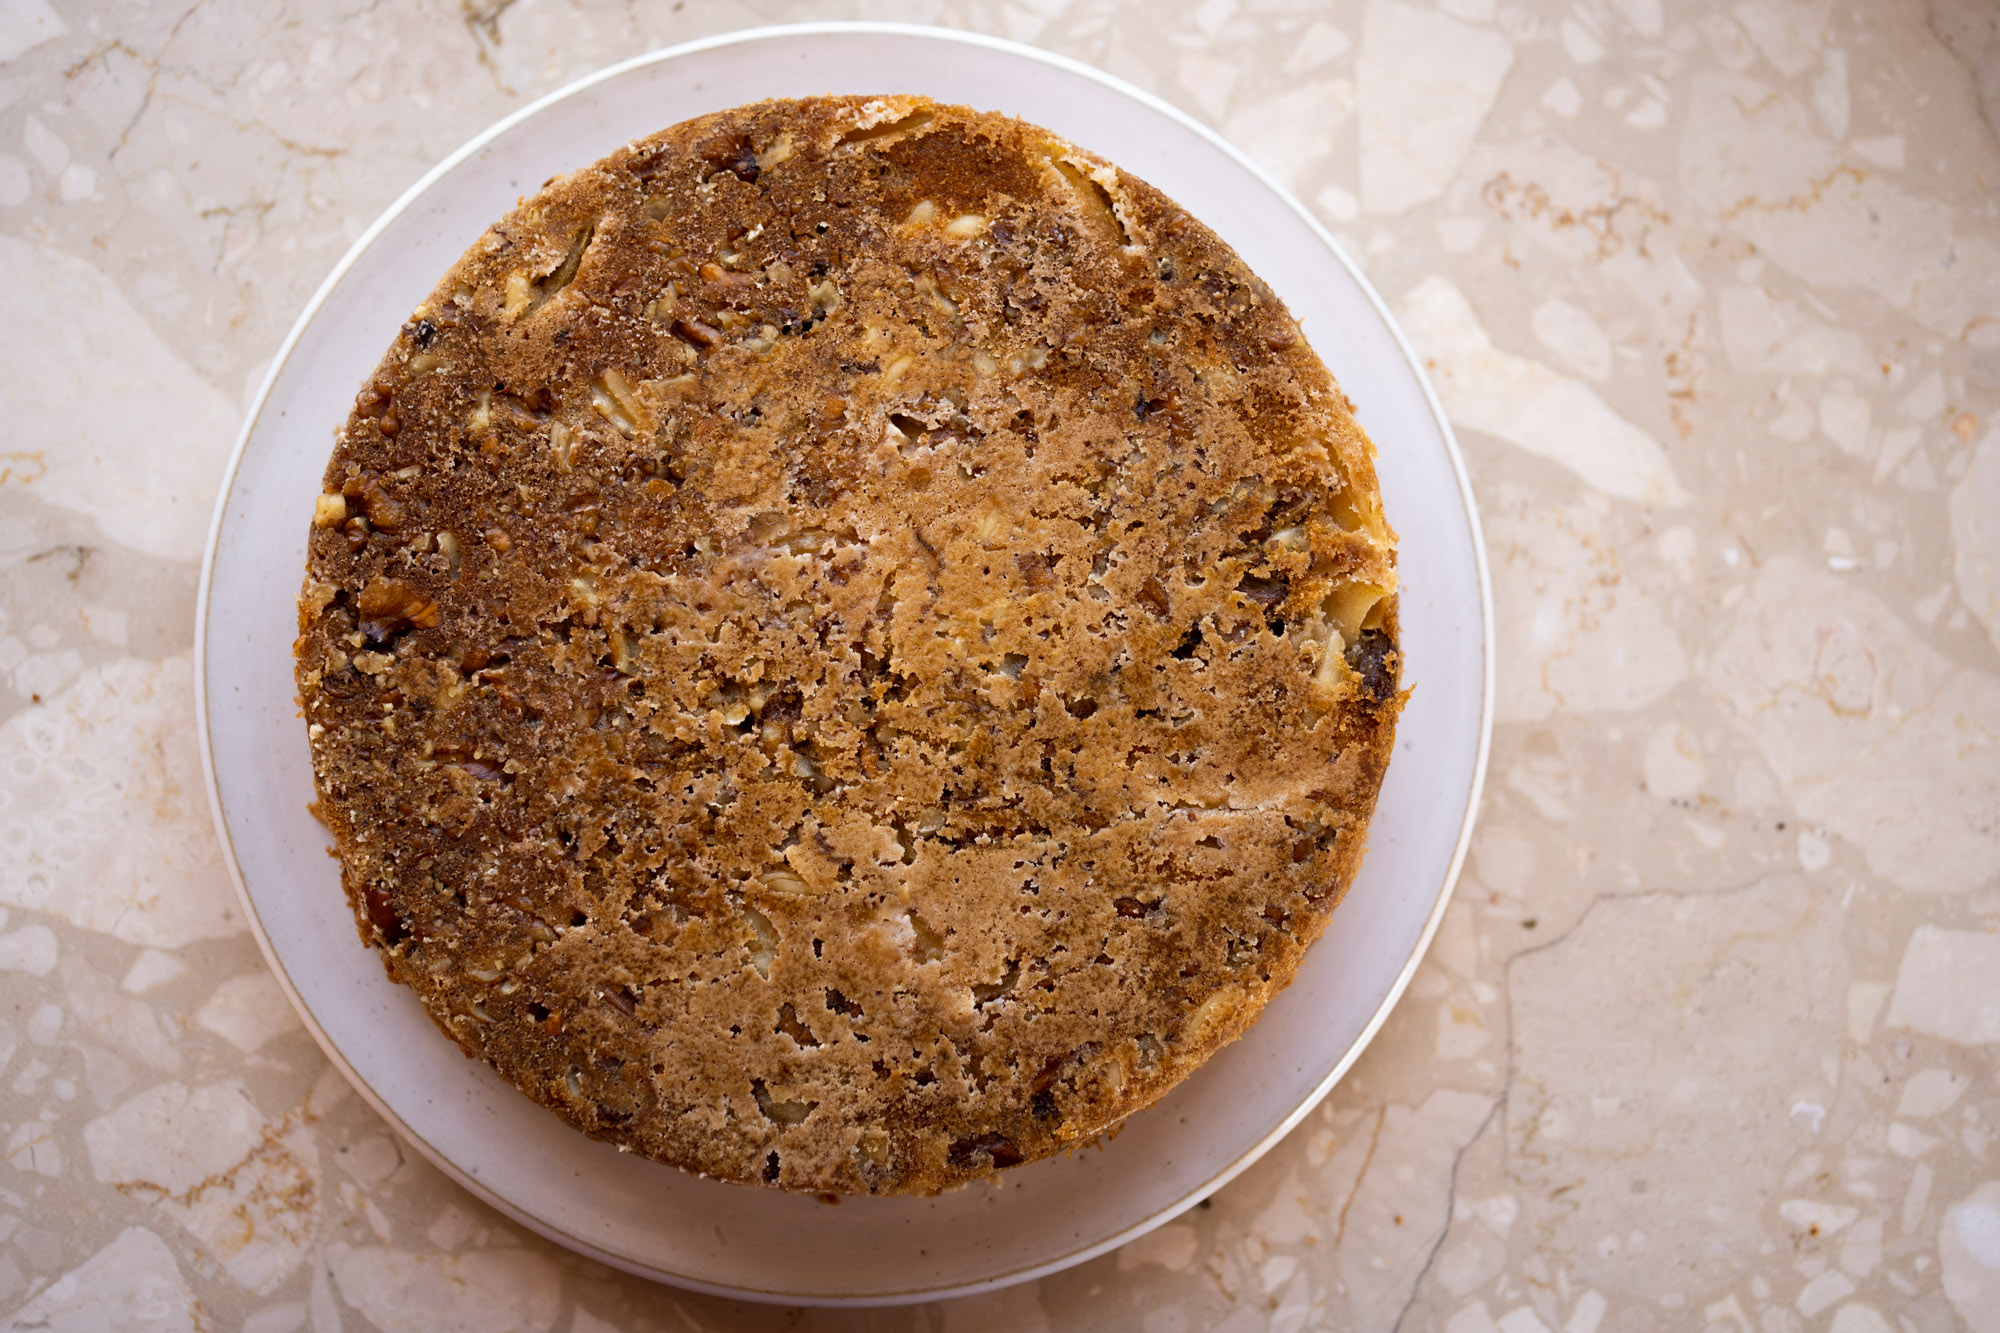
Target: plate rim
<point>741,36</point>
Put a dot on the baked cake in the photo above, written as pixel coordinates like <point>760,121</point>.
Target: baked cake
<point>848,645</point>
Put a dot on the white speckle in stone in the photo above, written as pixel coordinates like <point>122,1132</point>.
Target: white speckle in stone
<point>1426,82</point>
<point>1579,43</point>
<point>42,674</point>
<point>1318,44</point>
<point>1949,985</point>
<point>371,1160</point>
<point>1461,1030</point>
<point>1917,1198</point>
<point>106,624</point>
<point>1017,1308</point>
<point>130,436</point>
<point>1872,733</point>
<point>320,1304</point>
<point>329,1091</point>
<point>115,750</point>
<point>1645,16</point>
<point>1811,1215</point>
<point>1829,93</point>
<point>1677,547</point>
<point>25,25</point>
<point>106,1075</point>
<point>131,1285</point>
<point>286,1318</point>
<point>1926,399</point>
<point>1931,1092</point>
<point>1290,132</point>
<point>1587,1314</point>
<point>487,1291</point>
<point>1843,418</point>
<point>586,1322</point>
<point>31,949</point>
<point>1969,1251</point>
<point>1673,768</point>
<point>1498,1212</point>
<point>1797,419</point>
<point>1764,335</point>
<point>1896,444</point>
<point>1884,150</point>
<point>76,182</point>
<point>1529,405</point>
<point>1338,204</point>
<point>1458,235</point>
<point>1562,98</point>
<point>248,1011</point>
<point>1545,781</point>
<point>1814,851</point>
<point>1574,337</point>
<point>1577,634</point>
<point>1823,1291</point>
<point>170,1138</point>
<point>44,1025</point>
<point>123,1022</point>
<point>1471,1318</point>
<point>1288,1219</point>
<point>1975,534</point>
<point>1172,1247</point>
<point>1906,1141</point>
<point>1209,80</point>
<point>149,969</point>
<point>44,145</point>
<point>452,1229</point>
<point>1862,1250</point>
<point>1788,32</point>
<point>1211,16</point>
<point>1728,41</point>
<point>1855,1317</point>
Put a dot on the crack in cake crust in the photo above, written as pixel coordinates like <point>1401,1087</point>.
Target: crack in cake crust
<point>848,645</point>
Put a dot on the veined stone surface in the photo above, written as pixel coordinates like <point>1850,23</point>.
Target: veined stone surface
<point>1710,1037</point>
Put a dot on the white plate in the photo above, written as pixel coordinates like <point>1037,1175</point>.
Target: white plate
<point>761,1244</point>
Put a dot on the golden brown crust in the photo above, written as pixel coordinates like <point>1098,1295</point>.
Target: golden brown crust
<point>848,645</point>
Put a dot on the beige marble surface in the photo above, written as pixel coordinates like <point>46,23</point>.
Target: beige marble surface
<point>1709,1037</point>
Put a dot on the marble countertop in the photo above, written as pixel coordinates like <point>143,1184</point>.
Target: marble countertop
<point>1710,1037</point>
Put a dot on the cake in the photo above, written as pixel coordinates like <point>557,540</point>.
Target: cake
<point>847,646</point>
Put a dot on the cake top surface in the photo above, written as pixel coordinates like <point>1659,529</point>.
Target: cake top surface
<point>848,645</point>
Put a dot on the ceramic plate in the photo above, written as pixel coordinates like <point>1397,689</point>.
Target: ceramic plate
<point>760,1244</point>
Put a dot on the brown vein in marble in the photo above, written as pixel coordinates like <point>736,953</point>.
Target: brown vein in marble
<point>1814,193</point>
<point>152,65</point>
<point>482,20</point>
<point>1381,1114</point>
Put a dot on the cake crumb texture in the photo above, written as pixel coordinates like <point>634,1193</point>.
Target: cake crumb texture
<point>848,645</point>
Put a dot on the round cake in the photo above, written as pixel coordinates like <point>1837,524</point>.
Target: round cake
<point>848,645</point>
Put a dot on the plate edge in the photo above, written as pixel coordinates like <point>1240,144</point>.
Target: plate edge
<point>742,36</point>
